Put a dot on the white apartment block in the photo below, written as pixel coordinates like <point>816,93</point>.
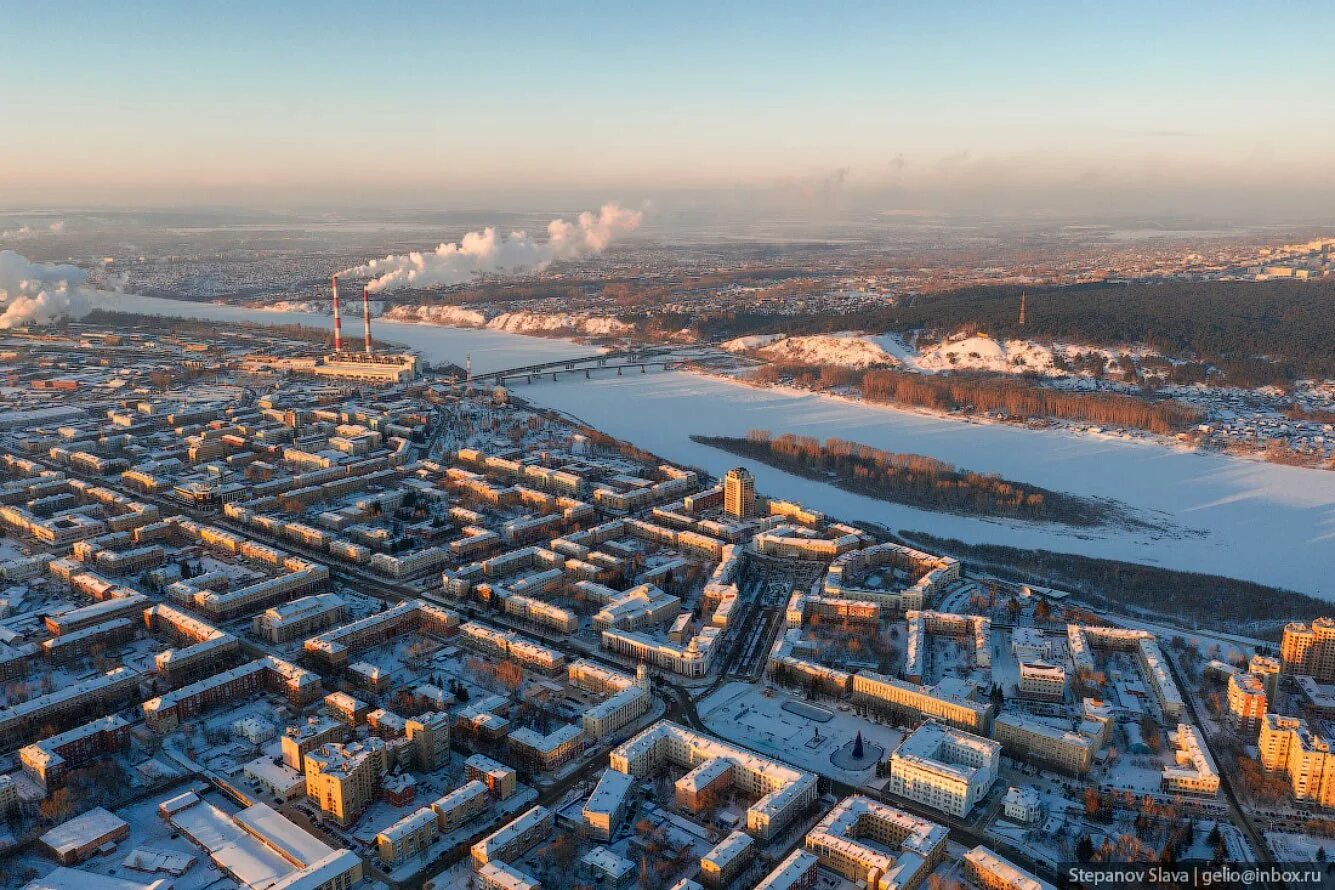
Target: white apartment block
<point>783,792</point>
<point>916,845</point>
<point>944,768</point>
<point>993,872</point>
<point>1195,771</point>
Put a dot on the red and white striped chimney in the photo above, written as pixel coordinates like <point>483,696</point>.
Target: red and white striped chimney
<point>338,319</point>
<point>366,317</point>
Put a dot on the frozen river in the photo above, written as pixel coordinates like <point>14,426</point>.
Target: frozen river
<point>1235,517</point>
<point>1242,518</point>
<point>491,350</point>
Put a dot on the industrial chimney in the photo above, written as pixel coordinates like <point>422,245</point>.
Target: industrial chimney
<point>366,317</point>
<point>338,319</point>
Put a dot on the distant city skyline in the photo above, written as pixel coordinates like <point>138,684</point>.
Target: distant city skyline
<point>1126,107</point>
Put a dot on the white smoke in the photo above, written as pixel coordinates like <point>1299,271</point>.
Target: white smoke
<point>21,232</point>
<point>37,293</point>
<point>482,253</point>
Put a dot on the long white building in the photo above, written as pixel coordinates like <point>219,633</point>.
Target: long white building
<point>783,791</point>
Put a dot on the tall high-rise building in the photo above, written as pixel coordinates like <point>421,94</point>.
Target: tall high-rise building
<point>739,493</point>
<point>430,733</point>
<point>1309,649</point>
<point>344,779</point>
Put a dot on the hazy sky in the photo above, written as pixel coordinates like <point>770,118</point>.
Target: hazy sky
<point>1202,106</point>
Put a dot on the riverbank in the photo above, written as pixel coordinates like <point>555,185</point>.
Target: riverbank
<point>1246,519</point>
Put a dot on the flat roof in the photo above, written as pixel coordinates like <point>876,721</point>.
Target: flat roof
<point>82,830</point>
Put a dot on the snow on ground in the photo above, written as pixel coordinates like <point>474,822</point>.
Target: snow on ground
<point>538,322</point>
<point>742,714</point>
<point>449,315</point>
<point>847,349</point>
<point>982,353</point>
<point>1243,518</point>
<point>513,322</point>
<point>975,353</point>
<point>1289,847</point>
<point>491,350</point>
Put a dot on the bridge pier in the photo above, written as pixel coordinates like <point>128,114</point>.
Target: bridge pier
<point>586,373</point>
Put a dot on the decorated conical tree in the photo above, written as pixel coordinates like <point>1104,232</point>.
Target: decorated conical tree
<point>857,746</point>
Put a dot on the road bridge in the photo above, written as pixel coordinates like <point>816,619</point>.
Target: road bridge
<point>621,362</point>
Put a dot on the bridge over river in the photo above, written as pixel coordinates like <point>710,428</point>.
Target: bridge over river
<point>620,361</point>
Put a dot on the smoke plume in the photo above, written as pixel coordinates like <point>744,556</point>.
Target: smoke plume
<point>483,253</point>
<point>37,293</point>
<point>22,232</point>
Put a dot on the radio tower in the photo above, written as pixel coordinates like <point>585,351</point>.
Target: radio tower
<point>1023,298</point>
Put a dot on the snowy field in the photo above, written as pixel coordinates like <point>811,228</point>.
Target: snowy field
<point>1237,517</point>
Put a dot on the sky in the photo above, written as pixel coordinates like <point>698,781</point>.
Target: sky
<point>1016,107</point>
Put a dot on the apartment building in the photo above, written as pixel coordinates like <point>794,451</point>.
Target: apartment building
<point>727,860</point>
<point>430,735</point>
<point>1246,703</point>
<point>546,752</point>
<point>301,687</point>
<point>1309,649</point>
<point>782,792</point>
<point>890,695</point>
<point>344,779</point>
<point>298,741</point>
<point>1042,680</point>
<point>620,710</point>
<point>1194,770</point>
<point>798,871</point>
<point>47,761</point>
<point>915,845</point>
<point>299,618</point>
<point>1024,737</point>
<point>500,779</point>
<point>1288,745</point>
<point>62,707</point>
<point>410,836</point>
<point>606,806</point>
<point>991,871</point>
<point>461,805</point>
<point>739,493</point>
<point>944,768</point>
<point>514,838</point>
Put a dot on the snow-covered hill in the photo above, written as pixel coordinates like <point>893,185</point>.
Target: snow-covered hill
<point>978,352</point>
<point>513,322</point>
<point>454,316</point>
<point>847,349</point>
<point>982,353</point>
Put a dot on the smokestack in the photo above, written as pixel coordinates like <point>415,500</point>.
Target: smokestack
<point>366,317</point>
<point>338,319</point>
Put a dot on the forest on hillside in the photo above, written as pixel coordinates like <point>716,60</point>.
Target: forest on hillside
<point>1015,396</point>
<point>1254,331</point>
